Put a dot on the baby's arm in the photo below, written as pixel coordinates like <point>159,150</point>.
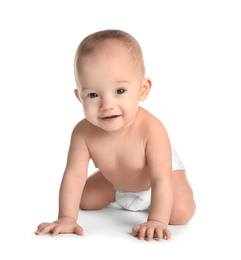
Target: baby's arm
<point>158,153</point>
<point>71,188</point>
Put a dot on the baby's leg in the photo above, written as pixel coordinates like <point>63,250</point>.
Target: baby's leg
<point>98,192</point>
<point>183,205</point>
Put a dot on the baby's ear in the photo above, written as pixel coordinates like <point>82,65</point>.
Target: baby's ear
<point>77,94</point>
<point>146,86</point>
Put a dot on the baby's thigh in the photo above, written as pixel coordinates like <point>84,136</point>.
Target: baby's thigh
<point>98,192</point>
<point>182,187</point>
<point>183,204</point>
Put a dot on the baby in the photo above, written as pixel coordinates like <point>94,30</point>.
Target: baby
<point>138,168</point>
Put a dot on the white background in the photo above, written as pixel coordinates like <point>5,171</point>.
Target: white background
<point>193,55</point>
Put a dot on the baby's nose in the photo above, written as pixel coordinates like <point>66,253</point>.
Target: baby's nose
<point>106,104</point>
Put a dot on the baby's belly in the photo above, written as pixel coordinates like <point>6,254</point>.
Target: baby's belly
<point>130,180</point>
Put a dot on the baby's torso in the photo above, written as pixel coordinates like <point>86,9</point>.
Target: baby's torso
<point>121,157</point>
<point>121,160</point>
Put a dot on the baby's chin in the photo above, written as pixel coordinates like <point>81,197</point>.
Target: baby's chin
<point>105,124</point>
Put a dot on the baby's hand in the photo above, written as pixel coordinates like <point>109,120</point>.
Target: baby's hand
<point>62,225</point>
<point>151,229</point>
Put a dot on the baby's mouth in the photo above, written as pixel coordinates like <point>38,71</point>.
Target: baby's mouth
<point>110,118</point>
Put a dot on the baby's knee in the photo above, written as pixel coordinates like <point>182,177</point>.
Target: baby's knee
<point>84,206</point>
<point>92,202</point>
<point>182,213</point>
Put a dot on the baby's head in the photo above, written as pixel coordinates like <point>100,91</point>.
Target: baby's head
<point>94,41</point>
<point>109,72</point>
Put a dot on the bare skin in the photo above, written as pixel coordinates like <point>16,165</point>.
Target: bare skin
<point>128,145</point>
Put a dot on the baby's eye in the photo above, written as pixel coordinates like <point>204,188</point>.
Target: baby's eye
<point>120,91</point>
<point>93,95</point>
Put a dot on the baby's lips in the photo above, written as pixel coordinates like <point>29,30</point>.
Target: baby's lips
<point>110,117</point>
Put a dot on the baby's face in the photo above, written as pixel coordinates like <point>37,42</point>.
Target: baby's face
<point>110,86</point>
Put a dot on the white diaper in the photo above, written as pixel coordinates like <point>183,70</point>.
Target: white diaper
<point>133,201</point>
<point>136,201</point>
<point>177,163</point>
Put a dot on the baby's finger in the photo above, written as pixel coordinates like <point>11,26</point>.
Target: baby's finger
<point>47,228</point>
<point>42,225</point>
<point>79,230</point>
<point>159,234</point>
<point>135,230</point>
<point>56,231</point>
<point>150,234</point>
<point>142,233</point>
<point>167,234</point>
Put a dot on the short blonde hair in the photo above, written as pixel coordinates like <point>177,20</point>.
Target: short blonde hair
<point>88,44</point>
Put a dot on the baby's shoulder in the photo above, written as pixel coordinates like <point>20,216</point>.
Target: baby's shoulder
<point>149,122</point>
<point>83,128</point>
<point>153,129</point>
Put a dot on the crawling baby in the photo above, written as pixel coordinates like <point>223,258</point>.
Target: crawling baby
<point>138,167</point>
